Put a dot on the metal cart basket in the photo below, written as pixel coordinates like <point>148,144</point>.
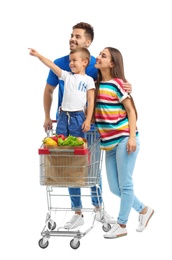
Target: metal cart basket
<point>69,167</point>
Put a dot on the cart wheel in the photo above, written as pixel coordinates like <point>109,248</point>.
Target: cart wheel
<point>74,245</point>
<point>106,227</point>
<point>43,245</point>
<point>51,226</point>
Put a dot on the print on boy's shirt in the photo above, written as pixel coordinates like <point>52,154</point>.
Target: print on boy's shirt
<point>82,86</point>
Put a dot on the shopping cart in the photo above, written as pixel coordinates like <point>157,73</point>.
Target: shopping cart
<point>70,167</point>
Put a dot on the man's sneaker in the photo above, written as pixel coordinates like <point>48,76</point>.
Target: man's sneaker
<point>144,219</point>
<point>76,221</point>
<point>116,231</point>
<point>103,215</point>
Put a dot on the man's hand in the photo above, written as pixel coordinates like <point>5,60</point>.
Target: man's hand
<point>48,124</point>
<point>128,87</point>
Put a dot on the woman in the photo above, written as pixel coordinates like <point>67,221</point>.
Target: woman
<point>115,117</point>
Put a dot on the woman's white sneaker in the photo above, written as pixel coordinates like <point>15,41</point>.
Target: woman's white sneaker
<point>116,231</point>
<point>144,219</point>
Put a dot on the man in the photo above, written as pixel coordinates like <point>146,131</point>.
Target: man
<point>82,36</point>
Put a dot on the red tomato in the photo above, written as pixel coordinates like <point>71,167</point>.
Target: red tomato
<point>61,136</point>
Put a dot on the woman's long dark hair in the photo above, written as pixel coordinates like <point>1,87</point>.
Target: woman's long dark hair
<point>117,71</point>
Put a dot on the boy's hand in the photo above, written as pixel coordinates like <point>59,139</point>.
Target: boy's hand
<point>86,126</point>
<point>33,52</point>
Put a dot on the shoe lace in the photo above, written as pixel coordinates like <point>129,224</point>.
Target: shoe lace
<point>114,228</point>
<point>141,219</point>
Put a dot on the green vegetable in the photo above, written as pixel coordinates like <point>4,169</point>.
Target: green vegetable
<point>70,141</point>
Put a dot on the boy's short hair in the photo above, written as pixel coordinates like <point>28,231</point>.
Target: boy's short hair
<point>84,52</point>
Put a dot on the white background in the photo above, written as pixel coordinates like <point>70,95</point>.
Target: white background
<point>141,30</point>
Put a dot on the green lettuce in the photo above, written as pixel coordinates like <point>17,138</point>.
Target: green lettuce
<point>70,141</point>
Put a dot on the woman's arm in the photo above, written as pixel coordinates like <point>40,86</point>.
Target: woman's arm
<point>132,118</point>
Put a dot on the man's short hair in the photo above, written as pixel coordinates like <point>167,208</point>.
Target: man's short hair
<point>87,27</point>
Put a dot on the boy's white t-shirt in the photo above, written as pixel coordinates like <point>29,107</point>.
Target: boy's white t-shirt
<point>75,90</point>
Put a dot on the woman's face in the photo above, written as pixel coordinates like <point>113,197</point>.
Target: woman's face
<point>103,60</point>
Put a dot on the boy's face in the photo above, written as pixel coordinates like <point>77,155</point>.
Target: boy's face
<point>76,63</point>
<point>78,39</point>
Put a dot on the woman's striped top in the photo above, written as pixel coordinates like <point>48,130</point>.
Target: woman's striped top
<point>110,114</point>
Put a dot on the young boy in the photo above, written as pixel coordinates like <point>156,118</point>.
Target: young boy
<point>79,90</point>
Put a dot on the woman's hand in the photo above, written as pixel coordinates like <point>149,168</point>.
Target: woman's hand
<point>131,145</point>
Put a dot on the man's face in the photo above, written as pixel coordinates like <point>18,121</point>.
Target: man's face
<point>78,39</point>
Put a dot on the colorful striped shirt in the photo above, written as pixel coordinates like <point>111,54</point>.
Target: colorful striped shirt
<point>110,114</point>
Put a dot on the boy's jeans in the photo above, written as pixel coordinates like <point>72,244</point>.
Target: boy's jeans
<point>70,123</point>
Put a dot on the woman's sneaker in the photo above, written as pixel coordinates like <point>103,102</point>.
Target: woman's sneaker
<point>144,219</point>
<point>103,215</point>
<point>116,231</point>
<point>76,221</point>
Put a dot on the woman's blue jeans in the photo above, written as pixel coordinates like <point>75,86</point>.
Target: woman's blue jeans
<point>119,169</point>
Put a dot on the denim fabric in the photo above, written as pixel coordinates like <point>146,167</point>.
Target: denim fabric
<point>70,124</point>
<point>96,191</point>
<point>76,202</point>
<point>120,168</point>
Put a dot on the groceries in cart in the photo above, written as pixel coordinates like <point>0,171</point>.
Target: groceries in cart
<point>61,140</point>
<point>68,161</point>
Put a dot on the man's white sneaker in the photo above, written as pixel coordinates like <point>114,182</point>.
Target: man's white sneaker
<point>144,219</point>
<point>103,215</point>
<point>76,221</point>
<point>116,231</point>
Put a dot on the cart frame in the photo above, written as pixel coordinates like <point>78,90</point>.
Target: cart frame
<point>93,169</point>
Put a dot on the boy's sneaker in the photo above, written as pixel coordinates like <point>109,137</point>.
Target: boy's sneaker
<point>116,231</point>
<point>144,219</point>
<point>76,221</point>
<point>103,215</point>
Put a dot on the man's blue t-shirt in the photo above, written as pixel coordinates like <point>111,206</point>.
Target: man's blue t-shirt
<point>63,63</point>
